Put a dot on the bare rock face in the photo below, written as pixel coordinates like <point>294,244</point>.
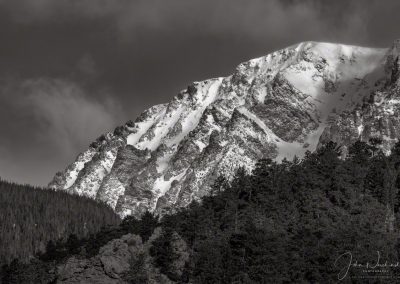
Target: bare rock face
<point>83,271</point>
<point>108,266</point>
<point>376,116</point>
<point>118,261</point>
<point>181,250</point>
<point>276,106</point>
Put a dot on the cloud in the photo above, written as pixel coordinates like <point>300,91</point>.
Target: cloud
<point>28,11</point>
<point>66,115</point>
<point>86,65</point>
<point>258,19</point>
<point>244,18</point>
<point>52,120</point>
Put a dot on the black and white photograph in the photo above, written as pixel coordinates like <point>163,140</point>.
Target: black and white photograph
<point>199,141</point>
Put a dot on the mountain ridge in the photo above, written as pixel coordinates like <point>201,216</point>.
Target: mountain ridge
<point>276,106</point>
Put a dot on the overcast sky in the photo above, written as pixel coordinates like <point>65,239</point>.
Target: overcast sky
<point>72,70</point>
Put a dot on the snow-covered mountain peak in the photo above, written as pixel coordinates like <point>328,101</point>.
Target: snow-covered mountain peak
<point>276,106</point>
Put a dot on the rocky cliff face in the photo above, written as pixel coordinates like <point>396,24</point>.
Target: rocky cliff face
<point>276,106</point>
<point>126,259</point>
<point>121,261</point>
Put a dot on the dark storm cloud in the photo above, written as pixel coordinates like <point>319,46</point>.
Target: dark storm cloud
<point>65,114</point>
<point>140,53</point>
<point>253,18</point>
<point>53,118</point>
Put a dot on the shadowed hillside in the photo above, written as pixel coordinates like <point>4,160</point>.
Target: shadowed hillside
<point>31,216</point>
<point>283,223</point>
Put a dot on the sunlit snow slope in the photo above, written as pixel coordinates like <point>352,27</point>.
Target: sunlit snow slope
<point>276,106</point>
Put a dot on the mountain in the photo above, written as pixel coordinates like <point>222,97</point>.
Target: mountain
<point>277,106</point>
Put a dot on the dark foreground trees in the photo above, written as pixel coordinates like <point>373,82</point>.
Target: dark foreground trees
<point>289,222</point>
<point>30,217</point>
<point>282,223</point>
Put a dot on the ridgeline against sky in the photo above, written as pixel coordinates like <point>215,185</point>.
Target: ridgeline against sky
<point>73,69</point>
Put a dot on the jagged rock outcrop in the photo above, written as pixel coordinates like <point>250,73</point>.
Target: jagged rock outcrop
<point>121,260</point>
<point>377,115</point>
<point>276,106</point>
<point>107,267</point>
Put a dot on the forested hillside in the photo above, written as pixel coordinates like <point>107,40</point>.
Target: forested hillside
<point>289,222</point>
<point>31,216</point>
<point>283,223</point>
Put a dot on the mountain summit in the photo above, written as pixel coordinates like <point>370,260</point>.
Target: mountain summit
<point>277,106</point>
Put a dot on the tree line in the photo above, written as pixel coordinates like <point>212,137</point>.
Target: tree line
<point>31,216</point>
<point>285,222</point>
<point>289,222</point>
